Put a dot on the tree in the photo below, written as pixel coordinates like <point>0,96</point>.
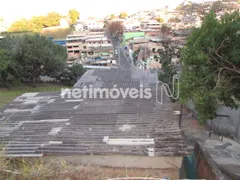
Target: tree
<point>160,20</point>
<point>168,71</point>
<point>70,75</point>
<point>52,19</point>
<point>188,9</point>
<point>6,65</point>
<point>166,55</point>
<point>165,30</point>
<point>37,23</point>
<point>211,65</point>
<point>217,6</point>
<point>135,54</point>
<point>105,24</point>
<point>37,55</point>
<point>8,68</point>
<point>112,16</point>
<point>144,53</point>
<point>114,29</point>
<point>20,26</point>
<point>174,20</point>
<point>123,15</point>
<point>73,14</point>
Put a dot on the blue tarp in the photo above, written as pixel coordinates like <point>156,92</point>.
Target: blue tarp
<point>51,38</point>
<point>60,42</point>
<point>98,58</point>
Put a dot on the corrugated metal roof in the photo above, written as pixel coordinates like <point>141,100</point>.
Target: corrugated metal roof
<point>37,124</point>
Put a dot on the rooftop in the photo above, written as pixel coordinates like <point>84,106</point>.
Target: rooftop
<point>37,124</point>
<point>87,37</point>
<point>139,40</point>
<point>101,49</point>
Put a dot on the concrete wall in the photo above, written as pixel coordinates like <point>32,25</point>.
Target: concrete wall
<point>206,168</point>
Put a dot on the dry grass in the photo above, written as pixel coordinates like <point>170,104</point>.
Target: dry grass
<point>59,33</point>
<point>56,169</point>
<point>56,33</point>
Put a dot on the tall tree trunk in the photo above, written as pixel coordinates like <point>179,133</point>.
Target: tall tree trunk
<point>4,79</point>
<point>33,80</point>
<point>33,83</point>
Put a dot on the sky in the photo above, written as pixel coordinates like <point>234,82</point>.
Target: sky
<point>11,10</point>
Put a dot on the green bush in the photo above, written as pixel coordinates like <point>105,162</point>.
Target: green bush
<point>71,74</point>
<point>211,65</point>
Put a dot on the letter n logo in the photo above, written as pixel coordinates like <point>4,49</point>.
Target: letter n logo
<point>162,88</point>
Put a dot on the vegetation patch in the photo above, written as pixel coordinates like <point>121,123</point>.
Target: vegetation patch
<point>211,65</point>
<point>57,169</point>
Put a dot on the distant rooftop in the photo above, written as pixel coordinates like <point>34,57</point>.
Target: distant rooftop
<point>101,49</point>
<point>86,37</point>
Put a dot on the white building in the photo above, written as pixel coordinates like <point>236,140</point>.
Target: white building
<point>78,27</point>
<point>92,24</point>
<point>88,24</point>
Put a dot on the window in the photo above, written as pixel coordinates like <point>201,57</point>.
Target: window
<point>84,47</point>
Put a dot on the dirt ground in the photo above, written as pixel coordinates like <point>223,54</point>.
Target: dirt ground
<point>58,169</point>
<point>190,126</point>
<point>189,122</point>
<point>105,173</point>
